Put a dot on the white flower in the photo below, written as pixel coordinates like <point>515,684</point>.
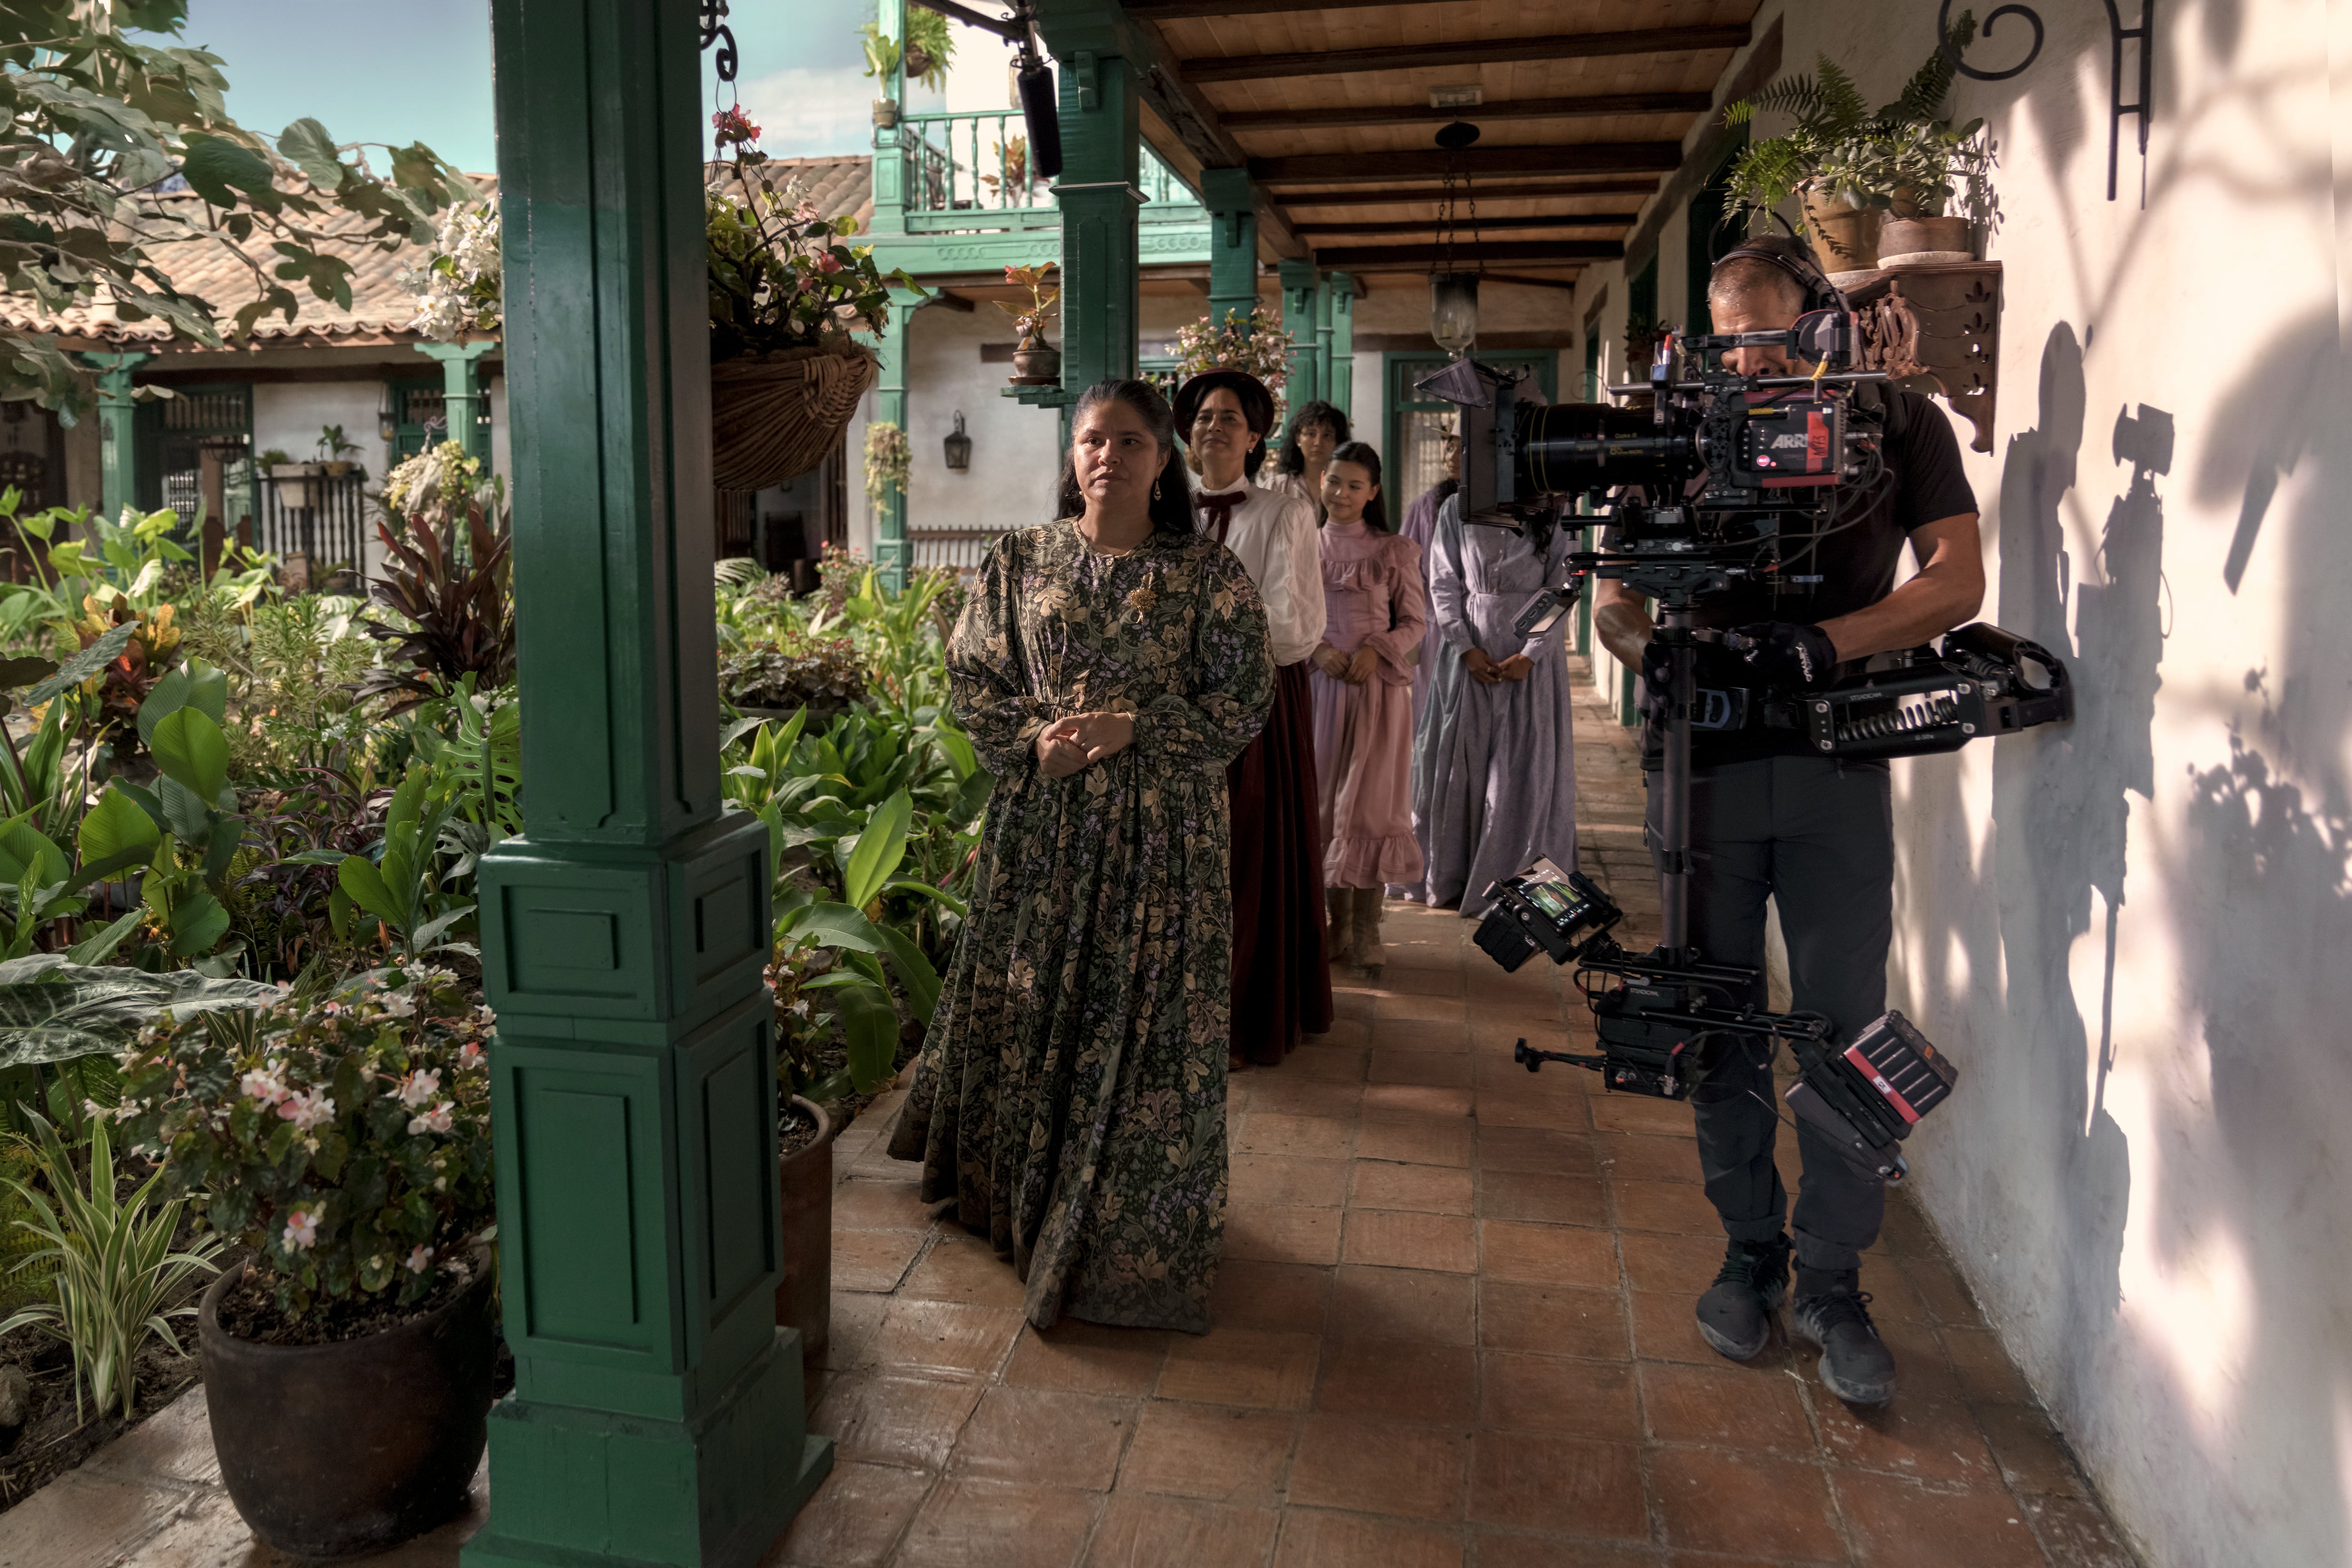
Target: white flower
<point>419,1259</point>
<point>310,1109</point>
<point>301,1231</point>
<point>471,1054</point>
<point>416,1088</point>
<point>398,1003</point>
<point>266,1085</point>
<point>434,1120</point>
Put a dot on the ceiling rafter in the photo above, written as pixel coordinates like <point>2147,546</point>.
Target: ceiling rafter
<point>1591,105</point>
<point>1470,256</point>
<point>1188,10</point>
<point>1407,196</point>
<point>1480,51</point>
<point>1435,162</point>
<point>1484,226</point>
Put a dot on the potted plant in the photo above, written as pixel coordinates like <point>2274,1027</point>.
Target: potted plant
<point>889,458</point>
<point>1035,362</point>
<point>293,479</point>
<point>1013,155</point>
<point>1257,345</point>
<point>882,63</point>
<point>331,450</point>
<point>342,1140</point>
<point>929,48</point>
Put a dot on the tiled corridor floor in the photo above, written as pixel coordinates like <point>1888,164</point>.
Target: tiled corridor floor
<point>1453,1330</point>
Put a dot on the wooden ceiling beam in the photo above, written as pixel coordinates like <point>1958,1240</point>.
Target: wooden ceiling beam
<point>1590,105</point>
<point>1435,162</point>
<point>1484,226</point>
<point>1188,10</point>
<point>1475,52</point>
<point>1472,256</point>
<point>1436,193</point>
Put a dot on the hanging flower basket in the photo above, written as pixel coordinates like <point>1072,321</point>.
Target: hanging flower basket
<point>776,416</point>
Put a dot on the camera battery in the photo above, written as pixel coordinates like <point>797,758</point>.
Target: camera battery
<point>1910,1075</point>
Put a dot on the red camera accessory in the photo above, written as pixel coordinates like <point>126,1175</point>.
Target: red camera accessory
<point>1867,1096</point>
<point>1910,1075</point>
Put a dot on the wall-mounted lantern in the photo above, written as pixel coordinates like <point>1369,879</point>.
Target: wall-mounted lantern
<point>958,447</point>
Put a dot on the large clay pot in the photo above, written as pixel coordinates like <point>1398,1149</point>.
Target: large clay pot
<point>337,1449</point>
<point>1923,239</point>
<point>1042,363</point>
<point>1844,238</point>
<point>805,1298</point>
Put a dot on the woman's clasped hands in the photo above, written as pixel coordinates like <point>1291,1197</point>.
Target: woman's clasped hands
<point>1354,668</point>
<point>1067,745</point>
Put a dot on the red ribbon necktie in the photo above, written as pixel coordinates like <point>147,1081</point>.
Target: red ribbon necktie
<point>1219,511</point>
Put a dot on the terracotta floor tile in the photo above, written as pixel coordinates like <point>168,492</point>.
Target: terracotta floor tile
<point>2075,1534</point>
<point>1938,1284</point>
<point>1417,1305</point>
<point>1546,1253</point>
<point>1273,1132</point>
<point>1497,1549</point>
<point>1514,1106</point>
<point>1542,1197</point>
<point>1420,1141</point>
<point>1756,1410</point>
<point>1396,1005</point>
<point>1416,1099</point>
<point>1372,1467</point>
<point>964,1268</point>
<point>1893,1299</point>
<point>2031,1455</point>
<point>84,1518</point>
<point>1270,1090</point>
<point>1539,1482</point>
<point>1290,1297</point>
<point>1552,1320</point>
<point>1677,1206</point>
<point>872,1259</point>
<point>1917,1437</point>
<point>856,1517</point>
<point>1639,1159</point>
<point>1241,1366</point>
<point>1282,1235</point>
<point>1640,1113</point>
<point>1676,1265</point>
<point>1714,1500</point>
<point>1497,1065</point>
<point>1921,1365</point>
<point>854,1333</point>
<point>1312,1538</point>
<point>1984,1369</point>
<point>1898,1523</point>
<point>1336,1063</point>
<point>999,1524</point>
<point>1412,979</point>
<point>1042,1435</point>
<point>880,1205</point>
<point>1287,1181</point>
<point>1087,1358</point>
<point>1427,1189</point>
<point>1351,1017</point>
<point>1439,1069</point>
<point>1212,1451</point>
<point>1385,1381</point>
<point>907,1422</point>
<point>946,1339</point>
<point>1139,1531</point>
<point>1534,1151</point>
<point>1399,1239</point>
<point>1559,1396</point>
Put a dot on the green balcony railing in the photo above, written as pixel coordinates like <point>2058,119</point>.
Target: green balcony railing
<point>970,171</point>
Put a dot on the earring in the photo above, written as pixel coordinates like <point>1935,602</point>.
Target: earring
<point>1155,490</point>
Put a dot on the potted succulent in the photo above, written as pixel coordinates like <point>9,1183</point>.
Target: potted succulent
<point>343,1138</point>
<point>1035,362</point>
<point>331,450</point>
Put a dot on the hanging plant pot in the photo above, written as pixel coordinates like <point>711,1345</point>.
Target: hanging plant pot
<point>1844,237</point>
<point>334,1449</point>
<point>1904,241</point>
<point>804,1299</point>
<point>919,62</point>
<point>776,416</point>
<point>886,112</point>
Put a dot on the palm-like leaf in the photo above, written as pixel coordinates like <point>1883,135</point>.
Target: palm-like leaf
<point>460,609</point>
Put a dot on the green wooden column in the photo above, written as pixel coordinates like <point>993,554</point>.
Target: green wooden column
<point>461,392</point>
<point>1301,287</point>
<point>1100,200</point>
<point>657,1413</point>
<point>1231,202</point>
<point>118,434</point>
<point>1339,305</point>
<point>892,552</point>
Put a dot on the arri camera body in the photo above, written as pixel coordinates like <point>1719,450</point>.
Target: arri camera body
<point>1725,480</point>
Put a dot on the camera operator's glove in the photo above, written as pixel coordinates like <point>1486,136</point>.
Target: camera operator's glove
<point>1786,654</point>
<point>1716,669</point>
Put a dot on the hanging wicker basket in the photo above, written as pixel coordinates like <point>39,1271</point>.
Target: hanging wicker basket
<point>776,416</point>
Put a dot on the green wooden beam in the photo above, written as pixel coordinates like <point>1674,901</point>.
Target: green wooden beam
<point>1301,283</point>
<point>1339,291</point>
<point>891,550</point>
<point>657,1413</point>
<point>461,392</point>
<point>118,437</point>
<point>1231,202</point>
<point>1100,203</point>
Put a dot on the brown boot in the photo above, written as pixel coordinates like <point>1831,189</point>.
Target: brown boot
<point>1339,941</point>
<point>1370,957</point>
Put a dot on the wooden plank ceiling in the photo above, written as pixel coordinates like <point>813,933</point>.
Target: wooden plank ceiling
<point>1585,107</point>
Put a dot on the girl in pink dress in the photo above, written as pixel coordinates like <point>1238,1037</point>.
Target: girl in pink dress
<point>1375,612</point>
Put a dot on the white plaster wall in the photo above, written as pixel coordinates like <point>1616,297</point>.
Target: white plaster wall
<point>288,414</point>
<point>1015,449</point>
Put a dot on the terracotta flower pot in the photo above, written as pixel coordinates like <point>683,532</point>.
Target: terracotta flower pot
<point>1844,237</point>
<point>804,1299</point>
<point>1923,239</point>
<point>336,1449</point>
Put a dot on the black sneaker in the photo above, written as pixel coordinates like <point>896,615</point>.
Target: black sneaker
<point>1834,1312</point>
<point>1735,1316</point>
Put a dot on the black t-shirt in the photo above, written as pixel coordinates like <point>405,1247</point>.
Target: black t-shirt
<point>1850,565</point>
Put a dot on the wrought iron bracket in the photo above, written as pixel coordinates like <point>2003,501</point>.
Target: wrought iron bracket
<point>715,30</point>
<point>2032,53</point>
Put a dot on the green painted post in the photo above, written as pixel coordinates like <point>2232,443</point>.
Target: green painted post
<point>1300,284</point>
<point>657,1413</point>
<point>1231,202</point>
<point>461,392</point>
<point>1099,202</point>
<point>1340,342</point>
<point>892,552</point>
<point>117,436</point>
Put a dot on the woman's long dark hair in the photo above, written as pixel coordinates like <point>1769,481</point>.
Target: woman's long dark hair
<point>1315,412</point>
<point>1171,506</point>
<point>1376,510</point>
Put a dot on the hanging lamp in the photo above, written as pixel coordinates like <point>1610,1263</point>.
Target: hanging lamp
<point>1454,292</point>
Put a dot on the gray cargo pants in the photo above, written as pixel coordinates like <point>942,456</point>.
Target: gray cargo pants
<point>1817,835</point>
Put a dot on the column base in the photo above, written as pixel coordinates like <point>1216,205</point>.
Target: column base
<point>582,1488</point>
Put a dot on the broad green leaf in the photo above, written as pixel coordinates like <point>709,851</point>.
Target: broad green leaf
<point>225,174</point>
<point>25,850</point>
<point>364,886</point>
<point>24,668</point>
<point>192,751</point>
<point>836,925</point>
<point>53,1010</point>
<point>308,146</point>
<point>197,922</point>
<point>100,945</point>
<point>84,665</point>
<point>195,685</point>
<point>915,975</point>
<point>924,890</point>
<point>870,1025</point>
<point>878,851</point>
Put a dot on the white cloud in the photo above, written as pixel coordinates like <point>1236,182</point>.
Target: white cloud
<point>804,113</point>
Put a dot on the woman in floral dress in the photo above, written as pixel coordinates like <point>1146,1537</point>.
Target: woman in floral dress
<point>1071,1095</point>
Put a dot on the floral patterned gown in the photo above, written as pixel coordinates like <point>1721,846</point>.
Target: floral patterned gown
<point>1071,1094</point>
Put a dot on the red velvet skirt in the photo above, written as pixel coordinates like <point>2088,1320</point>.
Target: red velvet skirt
<point>1282,983</point>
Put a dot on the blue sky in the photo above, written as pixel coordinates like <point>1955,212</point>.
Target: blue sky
<point>420,71</point>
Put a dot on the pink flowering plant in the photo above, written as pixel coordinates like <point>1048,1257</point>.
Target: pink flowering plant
<point>344,1139</point>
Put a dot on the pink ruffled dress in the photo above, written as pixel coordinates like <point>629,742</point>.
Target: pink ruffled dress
<point>1373,595</point>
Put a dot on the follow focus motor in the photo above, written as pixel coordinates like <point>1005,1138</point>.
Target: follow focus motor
<point>1725,480</point>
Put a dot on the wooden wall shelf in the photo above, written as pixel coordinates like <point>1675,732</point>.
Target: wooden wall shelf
<point>1935,327</point>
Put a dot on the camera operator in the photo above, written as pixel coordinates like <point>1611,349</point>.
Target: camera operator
<point>1812,833</point>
